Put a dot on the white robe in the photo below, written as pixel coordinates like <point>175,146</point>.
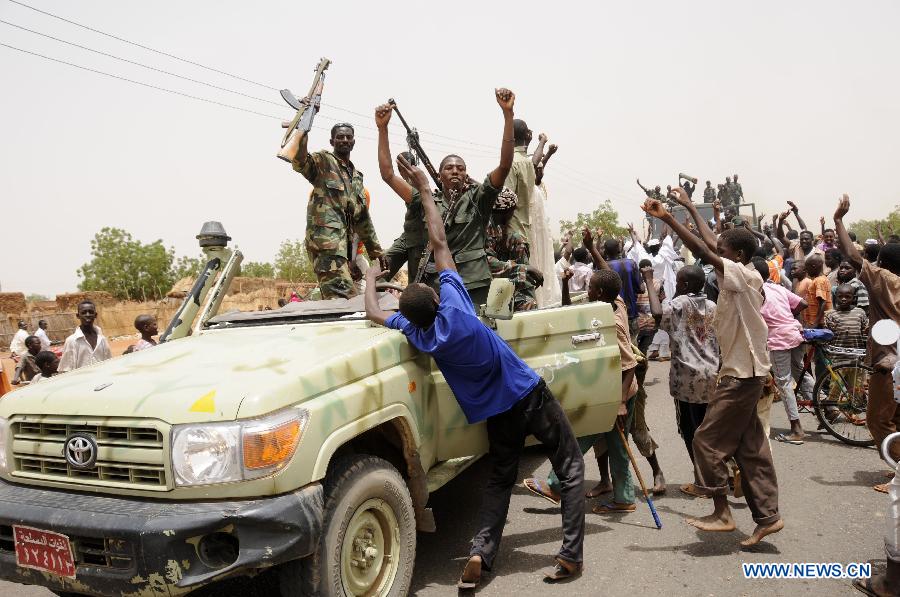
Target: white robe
<point>541,248</point>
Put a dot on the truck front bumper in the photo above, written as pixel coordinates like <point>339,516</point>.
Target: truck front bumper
<point>128,546</point>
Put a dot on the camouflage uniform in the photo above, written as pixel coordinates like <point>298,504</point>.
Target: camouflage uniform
<point>724,196</point>
<point>738,192</point>
<point>709,195</point>
<point>466,237</point>
<point>337,207</point>
<point>732,190</point>
<point>508,258</point>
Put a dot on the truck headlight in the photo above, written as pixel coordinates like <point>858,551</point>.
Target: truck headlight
<point>4,437</point>
<point>206,454</point>
<point>223,452</point>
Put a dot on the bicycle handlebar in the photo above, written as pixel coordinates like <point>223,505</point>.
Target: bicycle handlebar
<point>885,445</point>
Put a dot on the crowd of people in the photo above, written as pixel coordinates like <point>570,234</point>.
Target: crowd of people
<point>726,302</point>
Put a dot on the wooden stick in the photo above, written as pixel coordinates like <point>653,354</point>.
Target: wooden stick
<point>640,478</point>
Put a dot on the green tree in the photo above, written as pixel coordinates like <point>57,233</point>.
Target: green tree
<point>869,228</point>
<point>127,268</point>
<point>605,217</point>
<point>36,297</point>
<point>257,269</point>
<point>292,262</point>
<point>187,267</point>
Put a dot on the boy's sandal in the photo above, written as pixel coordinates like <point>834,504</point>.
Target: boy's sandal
<point>883,488</point>
<point>541,489</point>
<point>613,508</point>
<point>785,439</point>
<point>562,572</point>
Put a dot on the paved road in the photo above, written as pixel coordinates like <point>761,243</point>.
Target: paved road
<point>831,513</point>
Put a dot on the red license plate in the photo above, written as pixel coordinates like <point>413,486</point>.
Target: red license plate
<point>44,550</point>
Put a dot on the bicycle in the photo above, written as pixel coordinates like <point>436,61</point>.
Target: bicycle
<point>840,393</point>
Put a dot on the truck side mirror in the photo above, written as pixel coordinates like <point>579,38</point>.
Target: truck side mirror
<point>500,299</point>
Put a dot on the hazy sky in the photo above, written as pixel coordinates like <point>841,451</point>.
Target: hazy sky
<point>801,98</point>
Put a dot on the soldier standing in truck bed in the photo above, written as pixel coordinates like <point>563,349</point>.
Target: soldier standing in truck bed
<point>336,209</point>
<point>470,202</point>
<point>709,193</point>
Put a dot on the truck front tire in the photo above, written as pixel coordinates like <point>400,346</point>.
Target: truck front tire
<point>368,544</point>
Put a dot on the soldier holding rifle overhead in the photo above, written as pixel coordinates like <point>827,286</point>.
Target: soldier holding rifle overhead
<point>467,204</point>
<point>337,205</point>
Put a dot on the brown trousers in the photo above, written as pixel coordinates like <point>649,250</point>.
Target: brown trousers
<point>731,428</point>
<point>882,413</point>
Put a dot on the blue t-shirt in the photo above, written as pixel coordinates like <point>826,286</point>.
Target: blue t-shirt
<point>486,376</point>
<point>631,283</point>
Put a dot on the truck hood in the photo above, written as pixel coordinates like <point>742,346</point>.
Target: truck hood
<point>206,377</point>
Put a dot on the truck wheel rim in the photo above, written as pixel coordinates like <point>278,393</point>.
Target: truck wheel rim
<point>370,553</point>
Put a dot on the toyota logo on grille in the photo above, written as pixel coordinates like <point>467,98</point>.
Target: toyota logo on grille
<point>81,451</point>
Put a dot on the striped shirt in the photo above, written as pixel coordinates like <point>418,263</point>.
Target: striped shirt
<point>850,329</point>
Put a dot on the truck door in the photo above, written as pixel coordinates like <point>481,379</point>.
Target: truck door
<point>573,348</point>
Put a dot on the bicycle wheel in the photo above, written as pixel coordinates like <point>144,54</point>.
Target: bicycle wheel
<point>840,403</point>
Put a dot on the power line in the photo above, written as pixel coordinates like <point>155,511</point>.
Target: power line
<point>158,70</point>
<point>141,83</point>
<point>142,46</point>
<point>476,152</point>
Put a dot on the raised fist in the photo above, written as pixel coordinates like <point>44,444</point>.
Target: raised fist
<point>505,98</point>
<point>383,115</point>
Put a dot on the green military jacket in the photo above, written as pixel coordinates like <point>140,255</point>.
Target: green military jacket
<point>408,248</point>
<point>337,207</point>
<point>466,233</point>
<point>709,195</point>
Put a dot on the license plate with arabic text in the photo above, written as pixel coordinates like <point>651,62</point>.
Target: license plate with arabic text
<point>44,550</point>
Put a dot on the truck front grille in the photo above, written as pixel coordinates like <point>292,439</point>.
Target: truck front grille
<point>129,456</point>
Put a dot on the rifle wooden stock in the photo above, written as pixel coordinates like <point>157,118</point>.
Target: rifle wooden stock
<point>303,119</point>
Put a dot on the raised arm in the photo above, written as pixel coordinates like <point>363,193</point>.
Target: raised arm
<point>796,211</point>
<point>851,253</point>
<point>681,197</point>
<point>506,99</point>
<point>652,295</point>
<point>759,235</point>
<point>779,229</point>
<point>385,165</point>
<point>538,157</point>
<point>717,215</point>
<point>437,236</point>
<point>822,225</point>
<point>566,276</point>
<point>656,209</point>
<point>588,242</point>
<point>295,149</point>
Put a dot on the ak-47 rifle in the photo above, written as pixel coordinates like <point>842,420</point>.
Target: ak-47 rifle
<point>306,108</point>
<point>415,148</point>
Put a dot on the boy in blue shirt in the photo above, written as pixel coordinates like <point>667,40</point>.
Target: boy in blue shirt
<point>492,384</point>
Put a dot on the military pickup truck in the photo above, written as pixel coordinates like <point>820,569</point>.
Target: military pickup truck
<point>304,440</point>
